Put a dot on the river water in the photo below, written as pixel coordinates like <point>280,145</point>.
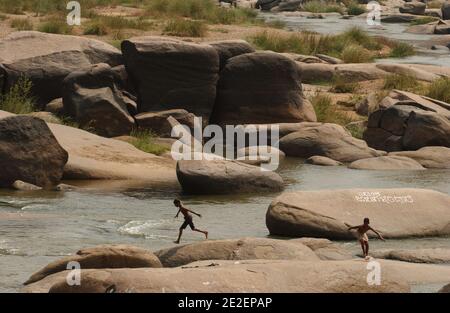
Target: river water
<point>54,224</point>
<point>39,227</point>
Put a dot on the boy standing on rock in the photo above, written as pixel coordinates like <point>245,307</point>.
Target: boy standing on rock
<point>187,219</point>
<point>362,235</point>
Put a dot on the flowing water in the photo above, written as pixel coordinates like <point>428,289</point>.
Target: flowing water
<point>39,227</point>
<point>54,224</point>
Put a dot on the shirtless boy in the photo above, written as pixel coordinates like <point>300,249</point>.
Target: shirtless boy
<point>362,235</point>
<point>187,219</point>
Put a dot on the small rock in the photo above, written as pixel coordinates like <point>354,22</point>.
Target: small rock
<point>23,186</point>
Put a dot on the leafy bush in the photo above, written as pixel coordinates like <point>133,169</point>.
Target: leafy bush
<point>18,99</point>
<point>143,140</point>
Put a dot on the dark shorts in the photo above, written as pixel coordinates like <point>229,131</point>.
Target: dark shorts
<point>187,221</point>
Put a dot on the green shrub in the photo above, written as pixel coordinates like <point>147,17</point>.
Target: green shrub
<point>440,89</point>
<point>401,50</point>
<point>326,112</point>
<point>96,29</point>
<point>55,26</point>
<point>355,53</point>
<point>21,24</point>
<point>402,82</point>
<point>354,8</point>
<point>185,28</point>
<point>143,140</point>
<point>18,99</point>
<point>356,130</point>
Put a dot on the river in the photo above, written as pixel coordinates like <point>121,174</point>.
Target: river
<point>55,224</point>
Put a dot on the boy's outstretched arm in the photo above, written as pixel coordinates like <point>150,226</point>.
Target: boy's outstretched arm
<point>176,216</point>
<point>377,233</point>
<point>199,215</point>
<point>351,227</point>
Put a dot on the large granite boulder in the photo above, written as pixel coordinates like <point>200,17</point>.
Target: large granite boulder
<point>249,93</point>
<point>172,74</point>
<point>158,124</point>
<point>413,7</point>
<point>94,99</point>
<point>95,157</point>
<point>429,255</point>
<point>391,162</point>
<point>322,161</point>
<point>325,249</point>
<point>230,48</point>
<point>396,213</point>
<point>329,140</point>
<point>428,157</point>
<point>224,176</point>
<point>103,256</point>
<point>46,59</point>
<point>409,122</point>
<point>29,152</point>
<point>236,249</point>
<point>266,5</point>
<point>446,10</point>
<point>222,276</point>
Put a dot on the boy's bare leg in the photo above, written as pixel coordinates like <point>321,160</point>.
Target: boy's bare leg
<point>367,248</point>
<point>201,231</point>
<point>179,236</point>
<point>363,247</point>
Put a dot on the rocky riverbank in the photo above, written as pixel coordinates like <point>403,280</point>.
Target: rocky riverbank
<point>77,109</point>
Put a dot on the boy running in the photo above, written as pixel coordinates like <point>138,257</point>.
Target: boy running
<point>187,219</point>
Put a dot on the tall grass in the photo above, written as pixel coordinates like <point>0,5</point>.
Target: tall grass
<point>52,6</point>
<point>341,84</point>
<point>440,89</point>
<point>320,6</point>
<point>354,53</point>
<point>143,140</point>
<point>353,8</point>
<point>326,112</point>
<point>185,28</point>
<point>55,26</point>
<point>21,24</point>
<point>207,10</point>
<point>354,44</point>
<point>18,99</point>
<point>423,20</point>
<point>402,82</point>
<point>401,50</point>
